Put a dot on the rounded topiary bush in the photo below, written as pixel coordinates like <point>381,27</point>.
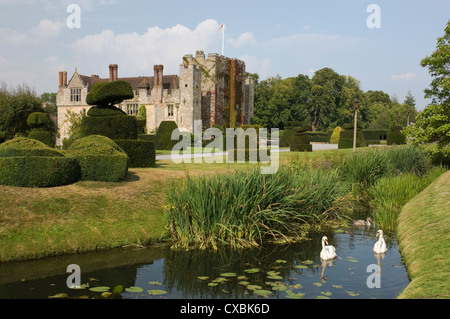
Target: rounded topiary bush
<point>42,136</point>
<point>37,119</point>
<point>38,123</point>
<point>114,127</point>
<point>164,135</point>
<point>104,111</point>
<point>26,162</point>
<point>100,159</point>
<point>335,135</point>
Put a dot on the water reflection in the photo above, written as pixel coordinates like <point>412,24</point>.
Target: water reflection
<point>273,271</point>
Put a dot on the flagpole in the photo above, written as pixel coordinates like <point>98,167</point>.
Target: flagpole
<point>223,40</point>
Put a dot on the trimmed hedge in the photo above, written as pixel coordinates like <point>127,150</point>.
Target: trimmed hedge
<point>27,162</point>
<point>321,137</point>
<point>109,93</point>
<point>346,137</point>
<point>147,137</point>
<point>114,127</point>
<point>42,136</point>
<point>375,135</point>
<point>140,153</point>
<point>96,111</point>
<point>100,159</point>
<point>300,142</point>
<point>395,137</point>
<point>164,134</point>
<point>23,146</point>
<point>38,171</point>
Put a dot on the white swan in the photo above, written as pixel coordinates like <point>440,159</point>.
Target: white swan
<point>328,252</point>
<point>363,223</point>
<point>380,246</point>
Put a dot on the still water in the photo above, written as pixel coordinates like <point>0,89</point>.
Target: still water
<point>279,271</point>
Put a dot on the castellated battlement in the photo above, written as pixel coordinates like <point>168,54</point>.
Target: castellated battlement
<point>206,89</point>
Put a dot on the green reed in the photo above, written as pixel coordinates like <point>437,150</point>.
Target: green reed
<point>244,208</point>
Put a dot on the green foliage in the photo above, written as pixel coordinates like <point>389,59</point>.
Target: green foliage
<point>335,136</point>
<point>147,137</point>
<point>318,136</point>
<point>374,135</point>
<point>109,93</point>
<point>114,127</point>
<point>346,137</point>
<point>100,159</point>
<point>300,142</point>
<point>395,136</point>
<point>37,120</point>
<point>164,134</point>
<point>141,153</point>
<point>22,146</point>
<point>96,111</point>
<point>29,163</point>
<point>42,136</point>
<point>243,209</point>
<point>236,154</point>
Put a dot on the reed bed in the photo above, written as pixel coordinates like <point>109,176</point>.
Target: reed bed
<point>244,208</point>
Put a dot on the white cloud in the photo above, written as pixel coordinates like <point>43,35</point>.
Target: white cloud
<point>244,38</point>
<point>137,53</point>
<point>403,77</point>
<point>45,30</point>
<point>255,65</point>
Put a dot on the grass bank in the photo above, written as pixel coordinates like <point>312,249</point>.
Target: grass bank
<point>424,236</point>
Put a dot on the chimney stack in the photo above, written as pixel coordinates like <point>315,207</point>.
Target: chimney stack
<point>158,70</point>
<point>65,78</point>
<point>60,78</point>
<point>113,70</point>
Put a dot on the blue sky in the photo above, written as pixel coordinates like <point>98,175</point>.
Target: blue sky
<point>273,37</point>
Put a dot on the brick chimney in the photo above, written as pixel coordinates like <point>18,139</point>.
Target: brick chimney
<point>65,78</point>
<point>62,78</point>
<point>158,70</point>
<point>113,70</point>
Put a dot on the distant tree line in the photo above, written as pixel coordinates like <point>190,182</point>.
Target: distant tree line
<point>325,101</point>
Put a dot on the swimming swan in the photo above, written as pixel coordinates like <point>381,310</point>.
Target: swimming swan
<point>363,223</point>
<point>328,252</point>
<point>380,246</point>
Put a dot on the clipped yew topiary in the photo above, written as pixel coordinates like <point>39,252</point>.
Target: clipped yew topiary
<point>100,159</point>
<point>27,162</point>
<point>395,137</point>
<point>334,139</point>
<point>38,123</point>
<point>346,137</point>
<point>300,142</point>
<point>141,153</point>
<point>164,135</point>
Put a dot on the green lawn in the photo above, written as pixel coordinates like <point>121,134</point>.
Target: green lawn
<point>424,237</point>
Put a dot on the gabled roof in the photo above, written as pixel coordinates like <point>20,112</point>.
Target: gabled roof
<point>170,82</point>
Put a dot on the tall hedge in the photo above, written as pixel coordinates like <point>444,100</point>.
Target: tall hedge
<point>395,137</point>
<point>300,142</point>
<point>164,135</point>
<point>113,127</point>
<point>141,153</point>
<point>346,137</point>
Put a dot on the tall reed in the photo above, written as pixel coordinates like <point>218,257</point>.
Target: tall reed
<point>244,208</point>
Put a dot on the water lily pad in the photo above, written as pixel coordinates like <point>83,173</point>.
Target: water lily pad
<point>220,280</point>
<point>244,283</point>
<point>229,274</point>
<point>352,293</point>
<point>100,289</point>
<point>326,293</point>
<point>292,295</point>
<point>301,267</point>
<point>118,289</point>
<point>322,297</point>
<point>296,286</point>
<point>275,277</point>
<point>318,284</point>
<point>254,287</point>
<point>156,292</point>
<point>106,294</point>
<point>280,261</point>
<point>134,289</point>
<point>251,270</point>
<point>262,292</point>
<point>212,284</point>
<point>307,262</point>
<point>337,286</point>
<point>279,287</point>
<point>352,260</point>
<point>203,277</point>
<point>59,296</point>
<point>155,283</point>
<point>242,277</point>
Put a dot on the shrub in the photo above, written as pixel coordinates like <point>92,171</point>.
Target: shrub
<point>346,137</point>
<point>375,135</point>
<point>140,153</point>
<point>334,139</point>
<point>321,137</point>
<point>29,163</point>
<point>23,146</point>
<point>42,136</point>
<point>109,93</point>
<point>100,159</point>
<point>164,134</point>
<point>300,141</point>
<point>395,137</point>
<point>113,127</point>
<point>104,111</point>
<point>37,119</point>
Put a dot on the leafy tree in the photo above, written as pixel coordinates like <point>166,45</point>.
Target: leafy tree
<point>49,100</point>
<point>433,123</point>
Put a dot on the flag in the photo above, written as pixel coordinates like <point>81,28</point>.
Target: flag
<point>221,26</point>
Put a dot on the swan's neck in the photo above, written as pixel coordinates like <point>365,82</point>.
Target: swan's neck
<point>380,241</point>
<point>323,248</point>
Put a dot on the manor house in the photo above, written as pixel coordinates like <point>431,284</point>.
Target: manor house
<point>206,89</point>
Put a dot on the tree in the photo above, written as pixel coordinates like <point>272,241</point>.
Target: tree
<point>433,123</point>
<point>49,102</point>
